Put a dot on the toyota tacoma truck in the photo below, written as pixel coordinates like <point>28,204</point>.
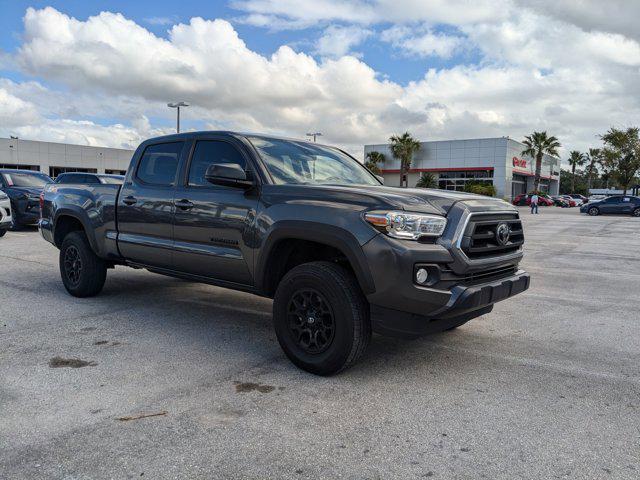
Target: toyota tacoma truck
<point>308,225</point>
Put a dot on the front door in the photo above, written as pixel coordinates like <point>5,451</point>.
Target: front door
<point>212,222</point>
<point>611,205</point>
<point>145,206</point>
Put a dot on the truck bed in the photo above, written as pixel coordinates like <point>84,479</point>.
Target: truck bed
<point>94,205</point>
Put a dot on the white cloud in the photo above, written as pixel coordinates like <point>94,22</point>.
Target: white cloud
<point>537,71</point>
<point>420,43</point>
<point>337,41</point>
<point>298,13</point>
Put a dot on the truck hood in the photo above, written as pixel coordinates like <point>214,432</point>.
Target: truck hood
<point>421,200</point>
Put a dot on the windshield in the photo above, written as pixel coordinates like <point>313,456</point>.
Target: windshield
<point>291,162</point>
<point>21,179</point>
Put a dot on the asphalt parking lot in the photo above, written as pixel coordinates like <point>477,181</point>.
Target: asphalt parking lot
<point>546,386</point>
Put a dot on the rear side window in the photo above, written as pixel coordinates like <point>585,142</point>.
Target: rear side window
<point>159,163</point>
<point>210,152</point>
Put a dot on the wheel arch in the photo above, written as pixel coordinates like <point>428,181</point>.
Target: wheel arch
<point>68,220</point>
<point>271,261</point>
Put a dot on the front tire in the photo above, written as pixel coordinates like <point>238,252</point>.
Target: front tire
<point>636,212</point>
<point>593,211</point>
<point>321,318</point>
<point>83,272</point>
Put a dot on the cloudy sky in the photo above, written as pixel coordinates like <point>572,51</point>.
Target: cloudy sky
<point>101,73</point>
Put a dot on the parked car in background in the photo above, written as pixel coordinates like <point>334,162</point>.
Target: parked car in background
<point>23,187</point>
<point>615,204</point>
<point>5,214</point>
<point>597,197</point>
<point>89,178</point>
<point>580,199</point>
<point>559,201</point>
<point>569,200</point>
<point>525,199</point>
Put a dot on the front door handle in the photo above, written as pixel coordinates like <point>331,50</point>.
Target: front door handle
<point>129,200</point>
<point>183,204</point>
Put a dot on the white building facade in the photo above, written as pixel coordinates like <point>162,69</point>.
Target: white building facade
<point>55,158</point>
<point>489,160</point>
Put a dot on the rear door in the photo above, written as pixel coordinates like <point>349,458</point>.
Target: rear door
<point>212,223</point>
<point>626,205</point>
<point>145,206</point>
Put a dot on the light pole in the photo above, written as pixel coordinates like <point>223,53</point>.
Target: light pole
<point>314,135</point>
<point>177,106</point>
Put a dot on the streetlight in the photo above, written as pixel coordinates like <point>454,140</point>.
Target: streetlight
<point>314,135</point>
<point>177,106</point>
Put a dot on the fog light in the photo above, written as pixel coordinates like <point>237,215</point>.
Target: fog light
<point>422,275</point>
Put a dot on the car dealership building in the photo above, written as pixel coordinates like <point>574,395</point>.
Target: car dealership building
<point>490,160</point>
<point>55,158</point>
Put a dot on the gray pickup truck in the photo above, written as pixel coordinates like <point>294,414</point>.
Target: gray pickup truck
<point>305,224</point>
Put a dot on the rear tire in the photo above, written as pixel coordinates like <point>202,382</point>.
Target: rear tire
<point>2,232</point>
<point>83,272</point>
<point>636,212</point>
<point>593,211</point>
<point>321,318</point>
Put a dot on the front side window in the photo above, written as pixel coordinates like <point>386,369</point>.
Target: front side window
<point>292,162</point>
<point>20,179</point>
<point>210,152</point>
<point>159,163</point>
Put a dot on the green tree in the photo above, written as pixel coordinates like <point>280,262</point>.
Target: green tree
<point>592,158</point>
<point>403,147</point>
<point>622,152</point>
<point>427,180</point>
<point>576,159</point>
<point>480,188</point>
<point>537,144</point>
<point>373,159</point>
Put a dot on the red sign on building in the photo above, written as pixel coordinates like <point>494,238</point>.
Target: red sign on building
<point>519,162</point>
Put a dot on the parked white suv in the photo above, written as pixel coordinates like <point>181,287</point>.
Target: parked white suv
<point>5,214</point>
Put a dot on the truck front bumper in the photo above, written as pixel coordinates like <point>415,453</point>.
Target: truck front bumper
<point>401,307</point>
<point>464,304</point>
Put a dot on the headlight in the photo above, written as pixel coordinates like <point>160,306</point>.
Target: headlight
<point>409,226</point>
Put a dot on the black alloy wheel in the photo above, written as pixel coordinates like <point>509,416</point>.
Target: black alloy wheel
<point>311,321</point>
<point>83,272</point>
<point>72,265</point>
<point>593,211</point>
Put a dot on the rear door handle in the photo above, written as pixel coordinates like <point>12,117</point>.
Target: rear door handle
<point>129,200</point>
<point>183,204</point>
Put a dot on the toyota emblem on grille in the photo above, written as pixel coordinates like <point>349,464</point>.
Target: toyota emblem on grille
<point>502,234</point>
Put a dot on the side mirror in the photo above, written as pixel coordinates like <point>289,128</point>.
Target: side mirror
<point>228,174</point>
<point>380,177</point>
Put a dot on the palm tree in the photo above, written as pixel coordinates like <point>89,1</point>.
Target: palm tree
<point>539,143</point>
<point>402,148</point>
<point>622,150</point>
<point>593,157</point>
<point>373,159</point>
<point>576,159</point>
<point>427,180</point>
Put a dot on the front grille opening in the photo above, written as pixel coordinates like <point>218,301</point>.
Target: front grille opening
<point>482,276</point>
<point>482,238</point>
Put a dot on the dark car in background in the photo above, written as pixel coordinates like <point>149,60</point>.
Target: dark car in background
<point>89,178</point>
<point>23,187</point>
<point>620,204</point>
